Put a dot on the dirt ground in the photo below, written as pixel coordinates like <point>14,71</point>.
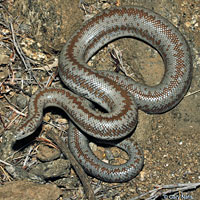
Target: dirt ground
<point>170,141</point>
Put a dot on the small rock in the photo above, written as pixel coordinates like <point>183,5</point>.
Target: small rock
<point>4,72</point>
<point>106,6</point>
<point>18,173</point>
<point>54,169</point>
<point>187,24</point>
<point>46,153</point>
<point>25,190</point>
<point>67,182</point>
<point>142,176</point>
<point>21,101</point>
<point>4,59</point>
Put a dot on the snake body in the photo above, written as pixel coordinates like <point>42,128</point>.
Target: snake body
<point>118,95</point>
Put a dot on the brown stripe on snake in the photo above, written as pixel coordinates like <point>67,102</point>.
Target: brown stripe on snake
<point>99,169</point>
<point>70,102</point>
<point>179,66</point>
<point>127,99</point>
<point>115,93</point>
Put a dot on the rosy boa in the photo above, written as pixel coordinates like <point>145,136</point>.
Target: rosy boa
<point>118,95</point>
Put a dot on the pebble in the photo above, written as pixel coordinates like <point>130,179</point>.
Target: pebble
<point>21,101</point>
<point>53,169</point>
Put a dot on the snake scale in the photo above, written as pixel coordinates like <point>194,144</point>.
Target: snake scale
<point>118,95</point>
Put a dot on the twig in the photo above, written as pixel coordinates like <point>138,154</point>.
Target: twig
<point>78,169</point>
<point>118,3</point>
<point>173,188</point>
<point>192,93</point>
<point>1,120</point>
<point>11,122</point>
<point>6,174</point>
<point>116,55</point>
<point>82,5</point>
<point>16,111</point>
<point>17,47</point>
<point>11,104</point>
<point>17,87</point>
<point>21,55</point>
<point>3,24</point>
<point>55,126</point>
<point>2,6</point>
<point>5,163</point>
<point>47,142</point>
<point>51,78</point>
<point>27,157</point>
<point>17,151</point>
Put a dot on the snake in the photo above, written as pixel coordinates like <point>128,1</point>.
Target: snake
<point>103,105</point>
